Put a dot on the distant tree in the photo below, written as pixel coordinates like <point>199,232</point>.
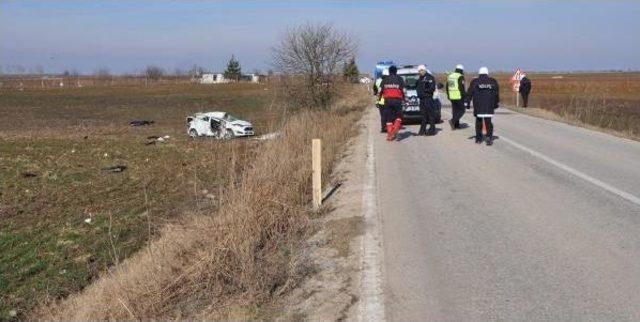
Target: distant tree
<point>154,72</point>
<point>196,71</point>
<point>233,69</point>
<point>311,55</point>
<point>270,72</point>
<point>350,71</point>
<point>39,70</point>
<point>102,73</point>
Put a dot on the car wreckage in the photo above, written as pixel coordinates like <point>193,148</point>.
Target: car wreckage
<point>219,125</point>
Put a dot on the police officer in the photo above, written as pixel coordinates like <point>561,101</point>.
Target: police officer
<point>425,88</point>
<point>392,90</point>
<point>525,89</point>
<point>485,95</point>
<point>456,94</point>
<point>380,101</point>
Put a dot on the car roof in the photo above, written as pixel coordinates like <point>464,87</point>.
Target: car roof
<point>217,115</point>
<point>407,71</point>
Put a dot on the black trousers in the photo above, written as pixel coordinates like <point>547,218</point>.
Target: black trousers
<point>457,111</point>
<point>382,122</point>
<point>392,110</point>
<point>525,99</point>
<point>428,111</point>
<point>488,123</point>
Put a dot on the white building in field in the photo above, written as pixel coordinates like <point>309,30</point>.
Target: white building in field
<point>213,79</point>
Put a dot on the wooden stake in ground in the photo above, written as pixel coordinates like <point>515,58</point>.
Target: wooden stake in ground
<point>316,166</point>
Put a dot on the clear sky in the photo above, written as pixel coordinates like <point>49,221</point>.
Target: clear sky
<point>127,36</point>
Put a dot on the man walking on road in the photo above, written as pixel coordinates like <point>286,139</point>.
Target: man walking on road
<point>425,88</point>
<point>485,95</point>
<point>380,101</point>
<point>525,89</point>
<point>456,94</point>
<point>392,91</point>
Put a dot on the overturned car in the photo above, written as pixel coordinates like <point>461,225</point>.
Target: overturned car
<point>220,125</point>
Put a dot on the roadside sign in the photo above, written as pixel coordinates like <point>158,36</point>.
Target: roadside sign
<point>515,80</point>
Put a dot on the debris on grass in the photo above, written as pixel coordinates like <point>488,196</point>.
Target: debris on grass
<point>29,175</point>
<point>115,168</point>
<point>140,123</point>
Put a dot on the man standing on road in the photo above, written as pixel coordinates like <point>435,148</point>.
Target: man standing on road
<point>380,101</point>
<point>456,94</point>
<point>485,94</point>
<point>425,87</point>
<point>525,89</point>
<point>392,91</point>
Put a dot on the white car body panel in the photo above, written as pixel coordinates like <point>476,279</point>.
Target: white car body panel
<point>201,123</point>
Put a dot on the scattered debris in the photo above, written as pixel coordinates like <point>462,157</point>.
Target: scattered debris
<point>29,175</point>
<point>106,155</point>
<point>140,123</point>
<point>155,139</point>
<point>13,313</point>
<point>269,136</point>
<point>62,271</point>
<point>115,168</point>
<point>88,220</point>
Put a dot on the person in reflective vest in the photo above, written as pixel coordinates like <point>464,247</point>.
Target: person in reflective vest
<point>380,101</point>
<point>392,91</point>
<point>485,95</point>
<point>456,94</point>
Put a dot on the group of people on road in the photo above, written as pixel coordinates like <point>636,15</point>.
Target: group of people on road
<point>483,94</point>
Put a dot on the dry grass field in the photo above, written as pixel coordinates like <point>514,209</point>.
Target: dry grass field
<point>53,145</point>
<point>610,101</point>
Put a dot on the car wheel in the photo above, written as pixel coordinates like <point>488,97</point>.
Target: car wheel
<point>193,133</point>
<point>229,134</point>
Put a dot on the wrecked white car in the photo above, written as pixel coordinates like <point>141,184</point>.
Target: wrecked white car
<point>220,125</point>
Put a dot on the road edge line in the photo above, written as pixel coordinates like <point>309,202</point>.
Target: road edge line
<point>371,296</point>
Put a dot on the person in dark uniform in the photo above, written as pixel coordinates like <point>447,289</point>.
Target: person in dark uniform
<point>392,90</point>
<point>425,88</point>
<point>485,95</point>
<point>456,94</point>
<point>525,89</point>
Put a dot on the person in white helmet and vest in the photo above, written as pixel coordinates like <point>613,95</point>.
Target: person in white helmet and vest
<point>456,94</point>
<point>485,95</point>
<point>380,101</point>
<point>425,87</point>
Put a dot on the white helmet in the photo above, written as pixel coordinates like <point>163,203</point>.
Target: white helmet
<point>459,66</point>
<point>385,72</point>
<point>422,67</point>
<point>483,71</point>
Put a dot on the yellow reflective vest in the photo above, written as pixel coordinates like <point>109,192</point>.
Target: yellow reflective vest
<point>452,86</point>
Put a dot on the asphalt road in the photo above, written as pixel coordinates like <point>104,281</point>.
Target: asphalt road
<point>544,225</point>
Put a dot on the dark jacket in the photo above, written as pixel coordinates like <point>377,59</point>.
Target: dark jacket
<point>463,92</point>
<point>485,95</point>
<point>425,86</point>
<point>392,87</point>
<point>525,85</point>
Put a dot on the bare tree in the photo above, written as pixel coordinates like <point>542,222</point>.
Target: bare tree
<point>154,72</point>
<point>312,56</point>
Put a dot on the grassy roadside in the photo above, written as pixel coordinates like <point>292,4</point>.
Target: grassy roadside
<point>243,253</point>
<point>53,145</point>
<point>608,102</point>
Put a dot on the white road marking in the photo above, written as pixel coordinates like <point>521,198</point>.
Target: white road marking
<point>371,300</point>
<point>577,173</point>
<point>623,194</point>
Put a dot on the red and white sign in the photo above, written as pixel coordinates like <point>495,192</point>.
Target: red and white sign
<point>515,80</point>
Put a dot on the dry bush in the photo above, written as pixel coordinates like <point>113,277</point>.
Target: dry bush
<point>312,55</point>
<point>245,252</point>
